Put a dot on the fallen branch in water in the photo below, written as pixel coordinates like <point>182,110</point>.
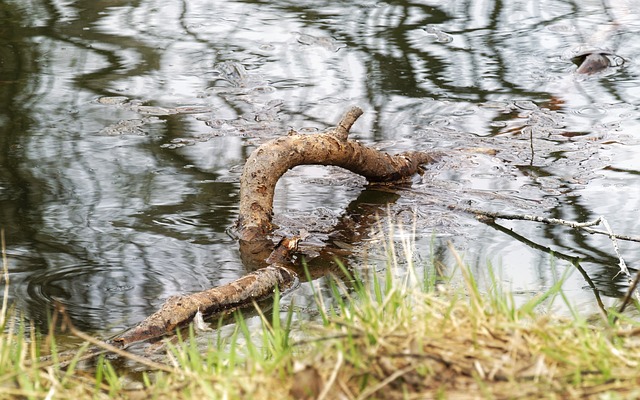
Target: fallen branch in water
<point>179,311</point>
<point>262,171</point>
<point>270,161</point>
<point>490,216</point>
<point>585,226</point>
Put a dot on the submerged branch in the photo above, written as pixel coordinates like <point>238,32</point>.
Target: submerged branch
<point>575,261</point>
<point>491,216</point>
<point>178,311</point>
<point>100,345</point>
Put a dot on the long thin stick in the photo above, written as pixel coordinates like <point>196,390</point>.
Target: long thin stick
<point>490,216</point>
<point>575,261</point>
<point>628,295</point>
<point>585,226</point>
<point>332,378</point>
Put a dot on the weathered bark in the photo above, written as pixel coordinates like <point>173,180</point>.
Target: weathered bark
<point>178,311</point>
<point>270,161</point>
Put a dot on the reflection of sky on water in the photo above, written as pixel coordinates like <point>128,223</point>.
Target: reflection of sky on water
<point>111,210</point>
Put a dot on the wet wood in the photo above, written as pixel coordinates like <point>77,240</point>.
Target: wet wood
<point>179,311</point>
<point>592,63</point>
<point>284,249</point>
<point>270,161</point>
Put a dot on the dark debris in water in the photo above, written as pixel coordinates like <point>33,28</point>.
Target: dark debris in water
<point>591,61</point>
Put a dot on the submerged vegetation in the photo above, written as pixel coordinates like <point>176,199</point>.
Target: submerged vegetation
<point>394,334</point>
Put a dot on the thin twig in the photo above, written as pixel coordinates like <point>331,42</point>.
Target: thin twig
<point>575,261</point>
<point>490,217</point>
<point>622,264</point>
<point>613,235</point>
<point>585,226</point>
<point>623,268</point>
<point>526,217</point>
<point>387,381</point>
<point>628,295</point>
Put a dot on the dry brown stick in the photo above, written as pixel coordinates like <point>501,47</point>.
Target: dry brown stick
<point>270,161</point>
<point>178,311</point>
<point>345,124</point>
<point>332,377</point>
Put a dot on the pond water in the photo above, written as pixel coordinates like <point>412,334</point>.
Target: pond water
<point>124,126</point>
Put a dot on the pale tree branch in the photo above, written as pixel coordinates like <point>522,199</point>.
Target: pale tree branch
<point>491,216</point>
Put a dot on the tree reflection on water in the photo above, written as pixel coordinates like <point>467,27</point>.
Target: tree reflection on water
<point>113,221</point>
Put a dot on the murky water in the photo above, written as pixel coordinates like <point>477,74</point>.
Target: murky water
<point>124,126</point>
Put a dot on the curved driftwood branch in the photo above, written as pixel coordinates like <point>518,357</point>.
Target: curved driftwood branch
<point>257,185</point>
<point>270,161</point>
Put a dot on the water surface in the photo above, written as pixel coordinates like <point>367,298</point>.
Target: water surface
<point>124,126</point>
